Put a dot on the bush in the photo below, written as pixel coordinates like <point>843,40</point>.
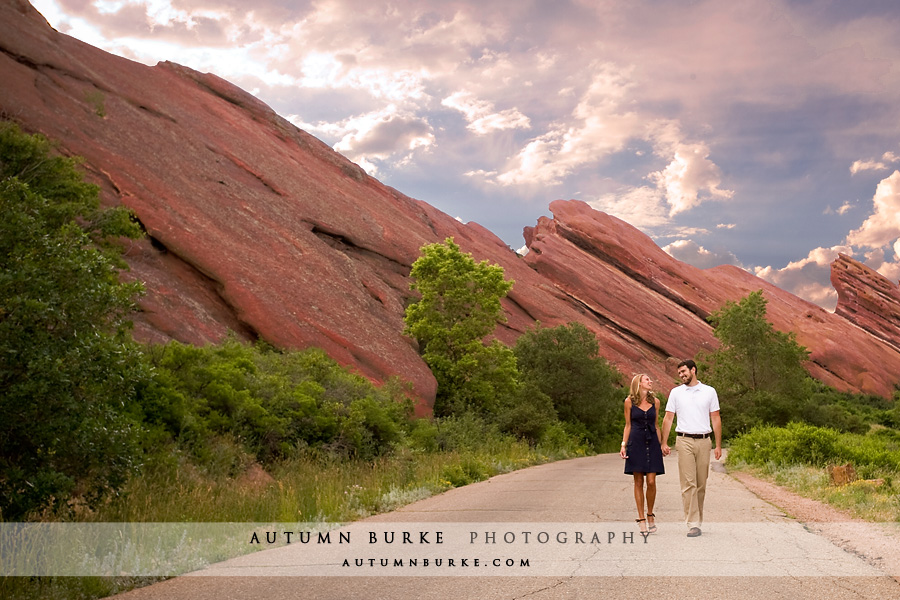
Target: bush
<point>69,372</point>
<point>465,431</point>
<point>802,444</point>
<point>272,402</point>
<point>797,443</point>
<point>528,415</point>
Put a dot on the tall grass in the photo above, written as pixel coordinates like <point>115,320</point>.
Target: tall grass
<point>316,488</point>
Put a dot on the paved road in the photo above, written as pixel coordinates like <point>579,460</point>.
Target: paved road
<point>573,522</point>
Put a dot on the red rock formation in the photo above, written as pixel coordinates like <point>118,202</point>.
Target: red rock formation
<point>257,227</point>
<point>663,302</point>
<point>868,299</point>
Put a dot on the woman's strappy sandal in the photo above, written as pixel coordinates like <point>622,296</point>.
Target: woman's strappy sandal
<point>652,526</point>
<point>643,527</point>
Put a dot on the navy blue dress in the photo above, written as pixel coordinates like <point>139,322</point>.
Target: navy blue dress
<point>643,450</point>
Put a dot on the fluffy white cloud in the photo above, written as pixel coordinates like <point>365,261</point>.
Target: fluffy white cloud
<point>694,254</point>
<point>810,278</point>
<point>690,178</point>
<point>882,228</point>
<point>481,115</point>
<point>867,165</point>
<point>599,125</point>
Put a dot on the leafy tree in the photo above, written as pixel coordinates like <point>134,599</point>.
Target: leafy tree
<point>458,309</point>
<point>68,367</point>
<point>757,371</point>
<point>564,364</point>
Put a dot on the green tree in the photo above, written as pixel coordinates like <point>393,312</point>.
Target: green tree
<point>68,367</point>
<point>459,307</point>
<point>757,371</point>
<point>564,364</point>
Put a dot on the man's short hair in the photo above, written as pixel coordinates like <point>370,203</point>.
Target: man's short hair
<point>689,364</point>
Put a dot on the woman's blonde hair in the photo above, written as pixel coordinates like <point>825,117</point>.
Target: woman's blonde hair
<point>635,393</point>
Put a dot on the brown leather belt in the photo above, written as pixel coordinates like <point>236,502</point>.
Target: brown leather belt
<point>696,436</point>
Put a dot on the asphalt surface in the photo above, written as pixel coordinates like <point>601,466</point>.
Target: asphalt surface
<point>562,530</point>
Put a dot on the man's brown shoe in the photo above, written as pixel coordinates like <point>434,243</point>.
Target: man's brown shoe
<point>694,532</point>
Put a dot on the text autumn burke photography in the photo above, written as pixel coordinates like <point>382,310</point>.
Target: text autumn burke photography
<point>427,538</point>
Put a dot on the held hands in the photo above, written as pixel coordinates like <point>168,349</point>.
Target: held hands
<point>666,449</point>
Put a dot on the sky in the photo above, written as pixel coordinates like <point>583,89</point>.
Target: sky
<point>763,134</point>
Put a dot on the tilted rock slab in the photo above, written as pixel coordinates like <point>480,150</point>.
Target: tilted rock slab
<point>867,298</point>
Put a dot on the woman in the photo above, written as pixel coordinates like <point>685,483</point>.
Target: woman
<point>642,447</point>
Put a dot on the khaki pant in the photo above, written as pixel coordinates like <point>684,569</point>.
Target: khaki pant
<point>693,471</point>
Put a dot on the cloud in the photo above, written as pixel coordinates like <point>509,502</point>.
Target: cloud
<point>842,210</point>
<point>867,165</point>
<point>600,125</point>
<point>882,228</point>
<point>597,126</point>
<point>874,165</point>
<point>641,207</point>
<point>690,178</point>
<point>808,278</point>
<point>694,254</point>
<point>380,135</point>
<point>481,115</point>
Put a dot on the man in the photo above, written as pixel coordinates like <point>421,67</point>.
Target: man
<point>697,407</point>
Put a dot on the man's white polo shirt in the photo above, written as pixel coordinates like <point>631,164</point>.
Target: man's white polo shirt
<point>692,405</point>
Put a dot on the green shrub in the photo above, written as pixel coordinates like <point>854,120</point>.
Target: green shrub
<point>558,437</point>
<point>274,403</point>
<point>797,443</point>
<point>469,470</point>
<point>528,415</point>
<point>464,432</point>
<point>69,372</point>
<point>423,436</point>
<point>757,371</point>
<point>459,306</point>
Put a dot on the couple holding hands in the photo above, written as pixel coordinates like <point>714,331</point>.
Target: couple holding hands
<point>696,407</point>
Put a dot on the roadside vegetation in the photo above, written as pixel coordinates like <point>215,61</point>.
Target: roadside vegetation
<point>786,427</point>
<point>798,456</point>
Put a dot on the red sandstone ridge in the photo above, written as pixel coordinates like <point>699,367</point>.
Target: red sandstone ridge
<point>867,298</point>
<point>620,273</point>
<point>259,228</point>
